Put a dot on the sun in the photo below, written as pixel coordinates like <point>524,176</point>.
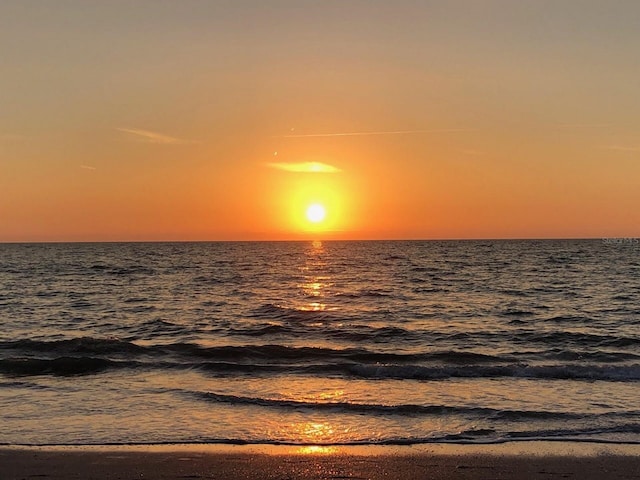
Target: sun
<point>316,213</point>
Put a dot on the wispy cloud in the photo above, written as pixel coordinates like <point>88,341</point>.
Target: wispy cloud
<point>622,148</point>
<point>87,167</point>
<point>388,132</point>
<point>305,167</point>
<point>154,137</point>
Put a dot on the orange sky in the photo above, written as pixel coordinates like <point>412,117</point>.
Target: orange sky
<point>196,120</point>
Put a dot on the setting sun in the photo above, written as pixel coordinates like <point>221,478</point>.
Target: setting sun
<point>316,213</point>
<point>303,227</point>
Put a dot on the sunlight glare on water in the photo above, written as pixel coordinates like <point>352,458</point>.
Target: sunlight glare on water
<point>319,343</point>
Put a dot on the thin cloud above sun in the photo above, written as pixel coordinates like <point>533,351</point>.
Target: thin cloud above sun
<point>386,132</point>
<point>305,167</point>
<point>153,137</point>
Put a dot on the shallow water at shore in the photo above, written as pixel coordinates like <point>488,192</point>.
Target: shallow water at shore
<point>320,343</point>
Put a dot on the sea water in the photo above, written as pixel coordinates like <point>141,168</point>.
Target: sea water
<point>390,342</point>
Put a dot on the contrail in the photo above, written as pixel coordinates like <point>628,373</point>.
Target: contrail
<point>154,137</point>
<point>391,132</point>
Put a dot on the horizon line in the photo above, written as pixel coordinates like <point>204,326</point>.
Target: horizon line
<point>441,239</point>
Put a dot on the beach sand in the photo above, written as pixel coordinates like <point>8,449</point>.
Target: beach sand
<point>531,461</point>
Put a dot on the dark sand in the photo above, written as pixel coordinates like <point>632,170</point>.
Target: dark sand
<point>435,463</point>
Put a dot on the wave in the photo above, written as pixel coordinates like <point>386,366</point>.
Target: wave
<point>578,320</point>
<point>560,345</point>
<point>622,373</point>
<point>155,327</point>
<point>591,356</point>
<point>566,339</point>
<point>355,328</point>
<point>62,366</point>
<point>627,373</point>
<point>559,433</point>
<point>475,436</point>
<point>280,353</point>
<point>80,345</point>
<point>489,436</point>
<point>276,353</point>
<point>91,355</point>
<point>261,330</point>
<point>83,365</point>
<point>368,408</point>
<point>352,333</point>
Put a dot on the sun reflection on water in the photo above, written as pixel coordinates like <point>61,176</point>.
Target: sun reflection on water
<point>316,281</point>
<point>331,395</point>
<point>313,307</point>
<point>313,433</point>
<point>314,288</point>
<point>317,450</point>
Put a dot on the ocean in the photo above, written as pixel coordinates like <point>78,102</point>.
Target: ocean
<point>320,343</point>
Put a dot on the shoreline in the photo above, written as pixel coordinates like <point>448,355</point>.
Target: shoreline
<point>520,460</point>
<point>535,447</point>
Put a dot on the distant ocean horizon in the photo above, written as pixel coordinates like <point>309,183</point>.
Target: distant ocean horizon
<point>299,342</point>
<point>607,240</point>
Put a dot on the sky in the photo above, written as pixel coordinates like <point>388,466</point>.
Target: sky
<point>224,120</point>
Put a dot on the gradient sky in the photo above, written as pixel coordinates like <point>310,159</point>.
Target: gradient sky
<point>199,120</point>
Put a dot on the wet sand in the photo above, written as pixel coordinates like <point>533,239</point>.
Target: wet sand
<point>407,463</point>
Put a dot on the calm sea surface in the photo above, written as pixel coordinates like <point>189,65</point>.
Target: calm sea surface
<point>320,343</point>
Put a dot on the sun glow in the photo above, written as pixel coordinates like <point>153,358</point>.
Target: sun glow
<point>316,213</point>
<point>313,207</point>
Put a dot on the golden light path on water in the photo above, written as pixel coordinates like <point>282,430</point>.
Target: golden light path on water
<point>314,286</point>
<point>315,298</point>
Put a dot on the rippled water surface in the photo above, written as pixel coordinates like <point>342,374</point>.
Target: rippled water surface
<point>323,343</point>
